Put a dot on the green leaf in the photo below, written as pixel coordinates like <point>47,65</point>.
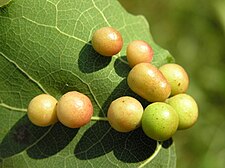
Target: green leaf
<point>45,48</point>
<point>4,2</point>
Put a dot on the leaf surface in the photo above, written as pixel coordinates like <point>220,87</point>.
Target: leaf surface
<point>45,48</point>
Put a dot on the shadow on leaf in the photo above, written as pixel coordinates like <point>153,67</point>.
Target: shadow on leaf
<point>121,67</point>
<point>167,143</point>
<point>90,61</point>
<point>101,139</point>
<point>56,139</point>
<point>39,142</point>
<point>122,89</point>
<point>20,137</point>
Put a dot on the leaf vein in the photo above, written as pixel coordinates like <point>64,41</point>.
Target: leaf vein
<point>55,27</point>
<point>158,148</point>
<point>12,108</point>
<point>24,72</point>
<point>92,93</point>
<point>102,14</point>
<point>39,139</point>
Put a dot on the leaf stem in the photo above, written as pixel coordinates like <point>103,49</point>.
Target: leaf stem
<point>159,146</point>
<point>96,118</point>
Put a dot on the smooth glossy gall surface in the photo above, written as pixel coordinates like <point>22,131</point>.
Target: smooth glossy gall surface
<point>159,121</point>
<point>42,110</point>
<point>74,109</point>
<point>148,82</point>
<point>107,41</point>
<point>138,51</point>
<point>124,114</point>
<point>176,76</point>
<point>187,110</point>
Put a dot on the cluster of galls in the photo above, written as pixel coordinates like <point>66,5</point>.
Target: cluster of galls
<point>74,109</point>
<point>164,87</point>
<point>171,109</point>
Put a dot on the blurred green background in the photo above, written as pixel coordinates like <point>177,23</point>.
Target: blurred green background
<point>194,33</point>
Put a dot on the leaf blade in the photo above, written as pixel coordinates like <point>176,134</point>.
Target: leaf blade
<point>48,50</point>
